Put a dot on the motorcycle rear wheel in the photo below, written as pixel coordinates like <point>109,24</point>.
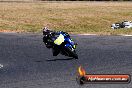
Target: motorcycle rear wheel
<point>55,51</point>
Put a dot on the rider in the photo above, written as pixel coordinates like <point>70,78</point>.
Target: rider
<point>49,35</point>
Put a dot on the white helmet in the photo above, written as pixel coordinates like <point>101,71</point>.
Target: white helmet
<point>46,31</point>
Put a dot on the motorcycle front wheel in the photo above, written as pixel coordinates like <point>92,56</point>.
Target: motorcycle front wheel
<point>71,53</point>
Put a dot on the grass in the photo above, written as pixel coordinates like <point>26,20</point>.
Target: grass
<point>73,17</point>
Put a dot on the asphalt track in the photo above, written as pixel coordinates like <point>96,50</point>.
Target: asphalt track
<point>27,63</point>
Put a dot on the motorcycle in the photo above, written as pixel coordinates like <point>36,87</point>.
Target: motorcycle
<point>63,44</point>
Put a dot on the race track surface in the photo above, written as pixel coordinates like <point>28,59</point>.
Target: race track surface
<point>27,63</point>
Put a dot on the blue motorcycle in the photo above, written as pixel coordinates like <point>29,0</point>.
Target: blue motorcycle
<point>60,42</point>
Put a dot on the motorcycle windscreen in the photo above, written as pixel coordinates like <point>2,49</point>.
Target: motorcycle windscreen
<point>59,40</point>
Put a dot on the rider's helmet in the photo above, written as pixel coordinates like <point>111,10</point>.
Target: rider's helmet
<point>46,31</point>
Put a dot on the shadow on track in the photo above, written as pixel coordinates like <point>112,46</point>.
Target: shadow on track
<point>60,59</point>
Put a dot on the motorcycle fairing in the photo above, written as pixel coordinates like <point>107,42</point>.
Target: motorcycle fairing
<point>70,44</point>
<point>59,40</point>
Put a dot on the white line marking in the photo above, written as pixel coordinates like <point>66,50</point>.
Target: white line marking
<point>108,35</point>
<point>87,34</point>
<point>1,66</point>
<point>126,35</point>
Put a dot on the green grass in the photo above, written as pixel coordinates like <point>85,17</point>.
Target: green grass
<point>74,17</point>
